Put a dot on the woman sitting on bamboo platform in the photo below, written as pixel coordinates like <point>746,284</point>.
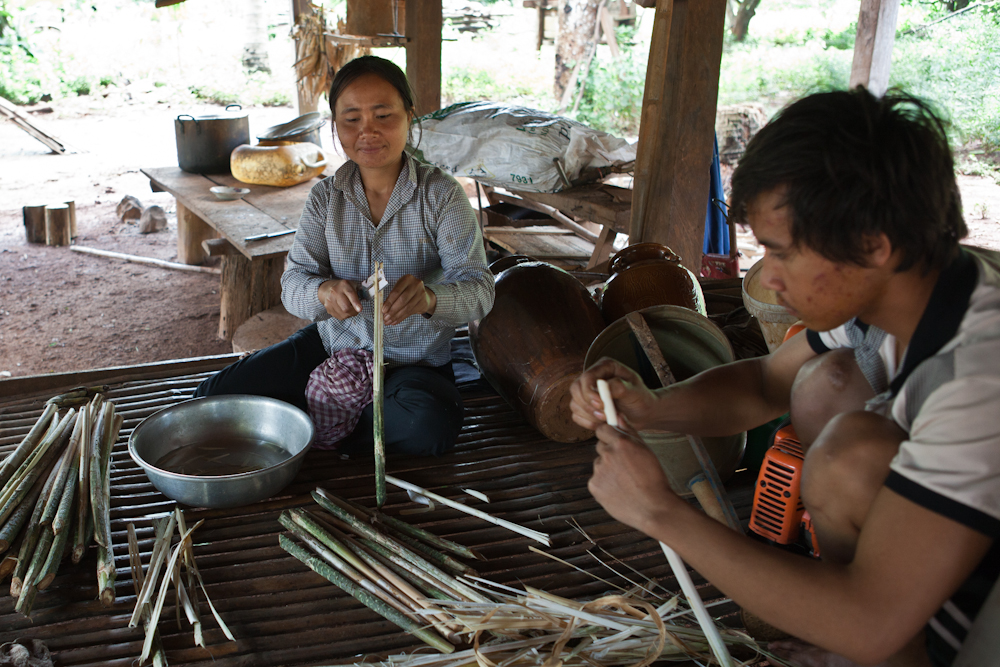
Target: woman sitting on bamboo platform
<point>380,206</point>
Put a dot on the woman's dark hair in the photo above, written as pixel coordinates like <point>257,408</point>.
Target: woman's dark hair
<point>856,166</point>
<point>386,70</point>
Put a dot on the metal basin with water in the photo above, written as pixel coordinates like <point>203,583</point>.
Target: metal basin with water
<point>222,451</point>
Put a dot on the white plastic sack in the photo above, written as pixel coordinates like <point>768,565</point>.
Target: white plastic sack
<point>516,148</point>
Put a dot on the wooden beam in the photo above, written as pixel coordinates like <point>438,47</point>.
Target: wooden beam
<point>677,129</point>
<point>191,231</point>
<point>873,45</point>
<point>423,53</point>
<point>22,121</point>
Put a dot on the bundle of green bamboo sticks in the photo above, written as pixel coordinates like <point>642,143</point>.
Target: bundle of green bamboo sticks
<point>178,570</point>
<point>397,570</point>
<point>402,572</point>
<point>54,495</point>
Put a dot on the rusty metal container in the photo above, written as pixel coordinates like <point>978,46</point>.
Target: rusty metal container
<point>648,274</point>
<point>532,345</point>
<point>691,343</point>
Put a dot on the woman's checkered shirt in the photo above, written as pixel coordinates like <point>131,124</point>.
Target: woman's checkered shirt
<point>428,230</point>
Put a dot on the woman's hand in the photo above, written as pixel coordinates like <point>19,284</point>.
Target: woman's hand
<point>340,298</point>
<point>408,297</point>
<point>628,480</point>
<point>633,400</point>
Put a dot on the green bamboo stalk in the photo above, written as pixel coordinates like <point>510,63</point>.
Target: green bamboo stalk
<point>82,537</point>
<point>17,520</point>
<point>362,596</point>
<point>65,465</point>
<point>28,588</point>
<point>399,526</point>
<point>105,552</point>
<point>430,587</point>
<point>30,441</point>
<point>378,399</point>
<point>106,576</point>
<point>81,531</point>
<point>64,510</point>
<point>19,484</point>
<point>9,562</point>
<point>427,551</point>
<point>55,556</point>
<point>98,501</point>
<point>344,567</point>
<point>322,497</point>
<point>375,570</point>
<point>425,535</point>
<point>434,588</point>
<point>77,395</point>
<point>372,517</point>
<point>33,533</point>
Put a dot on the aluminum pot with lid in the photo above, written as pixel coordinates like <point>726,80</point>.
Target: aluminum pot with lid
<point>304,128</point>
<point>204,143</point>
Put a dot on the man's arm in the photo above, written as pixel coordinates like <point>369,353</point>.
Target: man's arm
<point>720,401</point>
<point>908,562</point>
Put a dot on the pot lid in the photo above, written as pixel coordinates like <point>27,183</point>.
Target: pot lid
<point>231,112</point>
<point>304,123</point>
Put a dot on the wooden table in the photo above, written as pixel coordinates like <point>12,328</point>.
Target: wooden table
<point>251,272</point>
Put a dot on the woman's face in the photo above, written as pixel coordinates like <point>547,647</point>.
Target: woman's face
<point>372,123</point>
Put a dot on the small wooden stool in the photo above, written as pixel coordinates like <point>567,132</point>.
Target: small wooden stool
<point>266,328</point>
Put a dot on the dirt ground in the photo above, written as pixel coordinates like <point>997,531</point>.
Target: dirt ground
<point>65,311</point>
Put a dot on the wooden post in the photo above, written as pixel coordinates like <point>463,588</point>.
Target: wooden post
<point>541,23</point>
<point>677,129</point>
<point>873,45</point>
<point>72,218</point>
<point>248,287</point>
<point>57,224</point>
<point>191,231</point>
<point>306,103</point>
<point>603,247</point>
<point>423,53</point>
<point>34,223</point>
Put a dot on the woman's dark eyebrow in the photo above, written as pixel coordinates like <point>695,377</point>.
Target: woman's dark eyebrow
<point>374,106</point>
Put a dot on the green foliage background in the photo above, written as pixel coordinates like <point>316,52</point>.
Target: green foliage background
<point>794,47</point>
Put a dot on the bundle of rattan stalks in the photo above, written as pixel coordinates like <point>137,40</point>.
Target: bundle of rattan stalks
<point>54,491</point>
<point>169,566</point>
<point>402,572</point>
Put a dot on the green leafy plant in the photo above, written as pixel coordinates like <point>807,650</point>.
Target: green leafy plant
<point>612,97</point>
<point>464,85</point>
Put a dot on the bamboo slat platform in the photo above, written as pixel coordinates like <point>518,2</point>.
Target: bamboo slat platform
<point>281,612</point>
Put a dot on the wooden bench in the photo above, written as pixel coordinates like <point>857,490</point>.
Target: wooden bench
<point>251,271</point>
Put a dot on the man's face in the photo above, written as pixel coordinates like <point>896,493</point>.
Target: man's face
<point>822,293</point>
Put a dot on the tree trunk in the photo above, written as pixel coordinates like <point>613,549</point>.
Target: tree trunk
<point>577,20</point>
<point>255,49</point>
<point>741,25</point>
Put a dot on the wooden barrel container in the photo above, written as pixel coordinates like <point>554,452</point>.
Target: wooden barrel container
<point>690,343</point>
<point>648,274</point>
<point>531,346</point>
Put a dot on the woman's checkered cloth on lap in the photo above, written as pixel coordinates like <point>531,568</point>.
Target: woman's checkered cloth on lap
<point>338,390</point>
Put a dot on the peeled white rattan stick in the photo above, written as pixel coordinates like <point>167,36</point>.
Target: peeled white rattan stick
<point>521,530</point>
<point>681,574</point>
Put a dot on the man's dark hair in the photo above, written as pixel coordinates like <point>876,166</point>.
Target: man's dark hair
<point>856,166</point>
<point>380,67</point>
